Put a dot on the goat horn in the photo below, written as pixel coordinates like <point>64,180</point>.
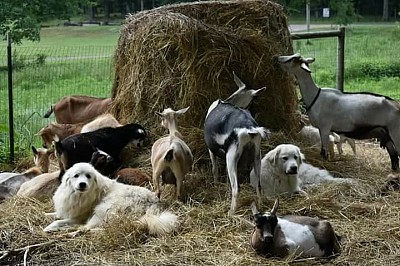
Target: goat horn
<point>254,208</point>
<point>275,207</point>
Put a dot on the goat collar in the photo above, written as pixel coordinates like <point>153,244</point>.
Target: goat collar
<point>313,101</point>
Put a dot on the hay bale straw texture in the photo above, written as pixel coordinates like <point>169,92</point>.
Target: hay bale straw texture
<point>183,55</point>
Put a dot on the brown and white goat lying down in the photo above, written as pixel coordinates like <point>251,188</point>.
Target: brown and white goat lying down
<point>10,183</point>
<point>171,157</point>
<point>301,236</point>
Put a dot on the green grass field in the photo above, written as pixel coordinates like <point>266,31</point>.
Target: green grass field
<point>79,60</point>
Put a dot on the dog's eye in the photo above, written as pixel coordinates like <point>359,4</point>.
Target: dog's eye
<point>295,157</point>
<point>88,176</point>
<point>285,158</point>
<point>76,175</point>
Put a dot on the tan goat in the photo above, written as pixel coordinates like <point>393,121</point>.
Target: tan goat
<point>104,120</point>
<point>41,187</point>
<point>171,158</point>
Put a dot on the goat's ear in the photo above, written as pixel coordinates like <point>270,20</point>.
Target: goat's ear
<point>256,92</point>
<point>309,60</point>
<point>238,82</point>
<point>182,111</point>
<point>305,67</point>
<point>254,208</point>
<point>34,150</point>
<point>275,207</point>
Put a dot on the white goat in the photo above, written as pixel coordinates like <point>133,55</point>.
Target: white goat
<point>171,157</point>
<point>356,115</point>
<point>104,120</point>
<point>310,134</point>
<point>232,133</point>
<point>299,235</point>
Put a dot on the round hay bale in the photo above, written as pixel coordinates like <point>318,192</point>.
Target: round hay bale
<point>183,55</point>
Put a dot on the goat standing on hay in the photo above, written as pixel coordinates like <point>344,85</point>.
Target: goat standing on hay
<point>231,132</point>
<point>171,157</point>
<point>355,115</point>
<point>299,235</point>
<point>10,185</point>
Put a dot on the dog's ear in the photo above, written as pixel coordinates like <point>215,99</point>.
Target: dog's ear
<point>272,156</point>
<point>300,155</point>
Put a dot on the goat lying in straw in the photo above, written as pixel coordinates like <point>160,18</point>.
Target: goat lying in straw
<point>355,115</point>
<point>171,157</point>
<point>10,185</point>
<point>302,236</point>
<point>310,134</point>
<point>232,133</point>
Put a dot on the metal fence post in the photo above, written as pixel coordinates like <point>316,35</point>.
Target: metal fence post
<point>10,97</point>
<point>340,75</point>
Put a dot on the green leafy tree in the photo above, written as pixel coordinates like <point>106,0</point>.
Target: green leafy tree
<point>22,18</point>
<point>344,10</point>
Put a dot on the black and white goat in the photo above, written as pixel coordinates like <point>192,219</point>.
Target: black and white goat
<point>80,147</point>
<point>302,236</point>
<point>231,133</point>
<point>355,115</point>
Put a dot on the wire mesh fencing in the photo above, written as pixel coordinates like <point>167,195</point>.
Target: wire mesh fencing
<point>41,77</point>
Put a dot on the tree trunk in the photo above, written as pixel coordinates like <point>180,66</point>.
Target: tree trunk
<point>107,10</point>
<point>385,16</point>
<point>141,5</point>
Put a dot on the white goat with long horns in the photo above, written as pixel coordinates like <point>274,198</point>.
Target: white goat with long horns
<point>355,115</point>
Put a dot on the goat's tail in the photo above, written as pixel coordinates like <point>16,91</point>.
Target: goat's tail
<point>49,112</point>
<point>262,131</point>
<point>160,222</point>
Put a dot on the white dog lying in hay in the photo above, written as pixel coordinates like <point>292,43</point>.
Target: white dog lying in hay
<point>86,197</point>
<point>284,172</point>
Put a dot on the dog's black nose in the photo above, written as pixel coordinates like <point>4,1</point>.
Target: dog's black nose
<point>82,185</point>
<point>293,169</point>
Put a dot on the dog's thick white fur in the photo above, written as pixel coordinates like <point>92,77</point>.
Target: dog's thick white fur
<point>284,172</point>
<point>86,197</point>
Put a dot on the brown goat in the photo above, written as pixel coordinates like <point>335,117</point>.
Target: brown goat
<point>132,176</point>
<point>61,130</point>
<point>78,109</point>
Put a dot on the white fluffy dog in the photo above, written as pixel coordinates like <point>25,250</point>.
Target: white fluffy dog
<point>284,172</point>
<point>86,197</point>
